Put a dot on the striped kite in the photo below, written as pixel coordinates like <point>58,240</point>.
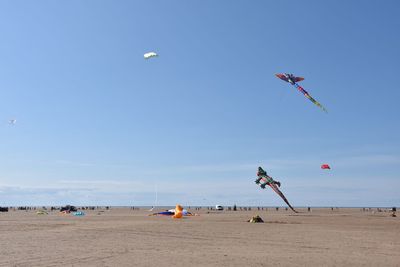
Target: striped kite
<point>290,78</point>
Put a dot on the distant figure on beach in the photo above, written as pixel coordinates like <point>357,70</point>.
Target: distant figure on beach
<point>3,209</point>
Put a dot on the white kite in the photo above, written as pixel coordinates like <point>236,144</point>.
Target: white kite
<point>150,55</point>
<point>12,121</point>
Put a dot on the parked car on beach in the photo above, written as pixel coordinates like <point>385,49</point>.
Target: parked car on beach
<point>219,207</point>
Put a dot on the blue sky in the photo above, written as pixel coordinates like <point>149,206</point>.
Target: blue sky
<point>99,125</point>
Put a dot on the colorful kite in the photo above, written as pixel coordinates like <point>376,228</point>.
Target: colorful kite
<point>290,78</point>
<point>263,180</point>
<point>325,167</point>
<point>176,213</point>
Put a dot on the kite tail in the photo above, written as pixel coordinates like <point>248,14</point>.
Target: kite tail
<point>290,206</point>
<point>282,196</point>
<point>295,211</point>
<point>306,94</point>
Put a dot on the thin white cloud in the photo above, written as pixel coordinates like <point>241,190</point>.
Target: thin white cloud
<point>75,163</point>
<point>368,160</point>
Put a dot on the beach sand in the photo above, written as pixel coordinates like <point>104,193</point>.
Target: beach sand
<point>123,237</point>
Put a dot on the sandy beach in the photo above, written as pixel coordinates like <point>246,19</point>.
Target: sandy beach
<point>123,237</point>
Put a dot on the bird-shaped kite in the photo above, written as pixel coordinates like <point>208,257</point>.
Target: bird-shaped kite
<point>290,78</point>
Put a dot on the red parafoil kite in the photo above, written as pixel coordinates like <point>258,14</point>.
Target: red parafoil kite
<point>325,167</point>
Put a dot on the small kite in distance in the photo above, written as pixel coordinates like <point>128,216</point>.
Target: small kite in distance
<point>150,55</point>
<point>325,167</point>
<point>290,78</point>
<point>12,121</point>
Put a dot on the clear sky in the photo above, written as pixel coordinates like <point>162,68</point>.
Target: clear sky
<point>99,125</point>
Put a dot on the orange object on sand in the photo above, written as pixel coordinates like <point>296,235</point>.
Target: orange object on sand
<point>178,212</point>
